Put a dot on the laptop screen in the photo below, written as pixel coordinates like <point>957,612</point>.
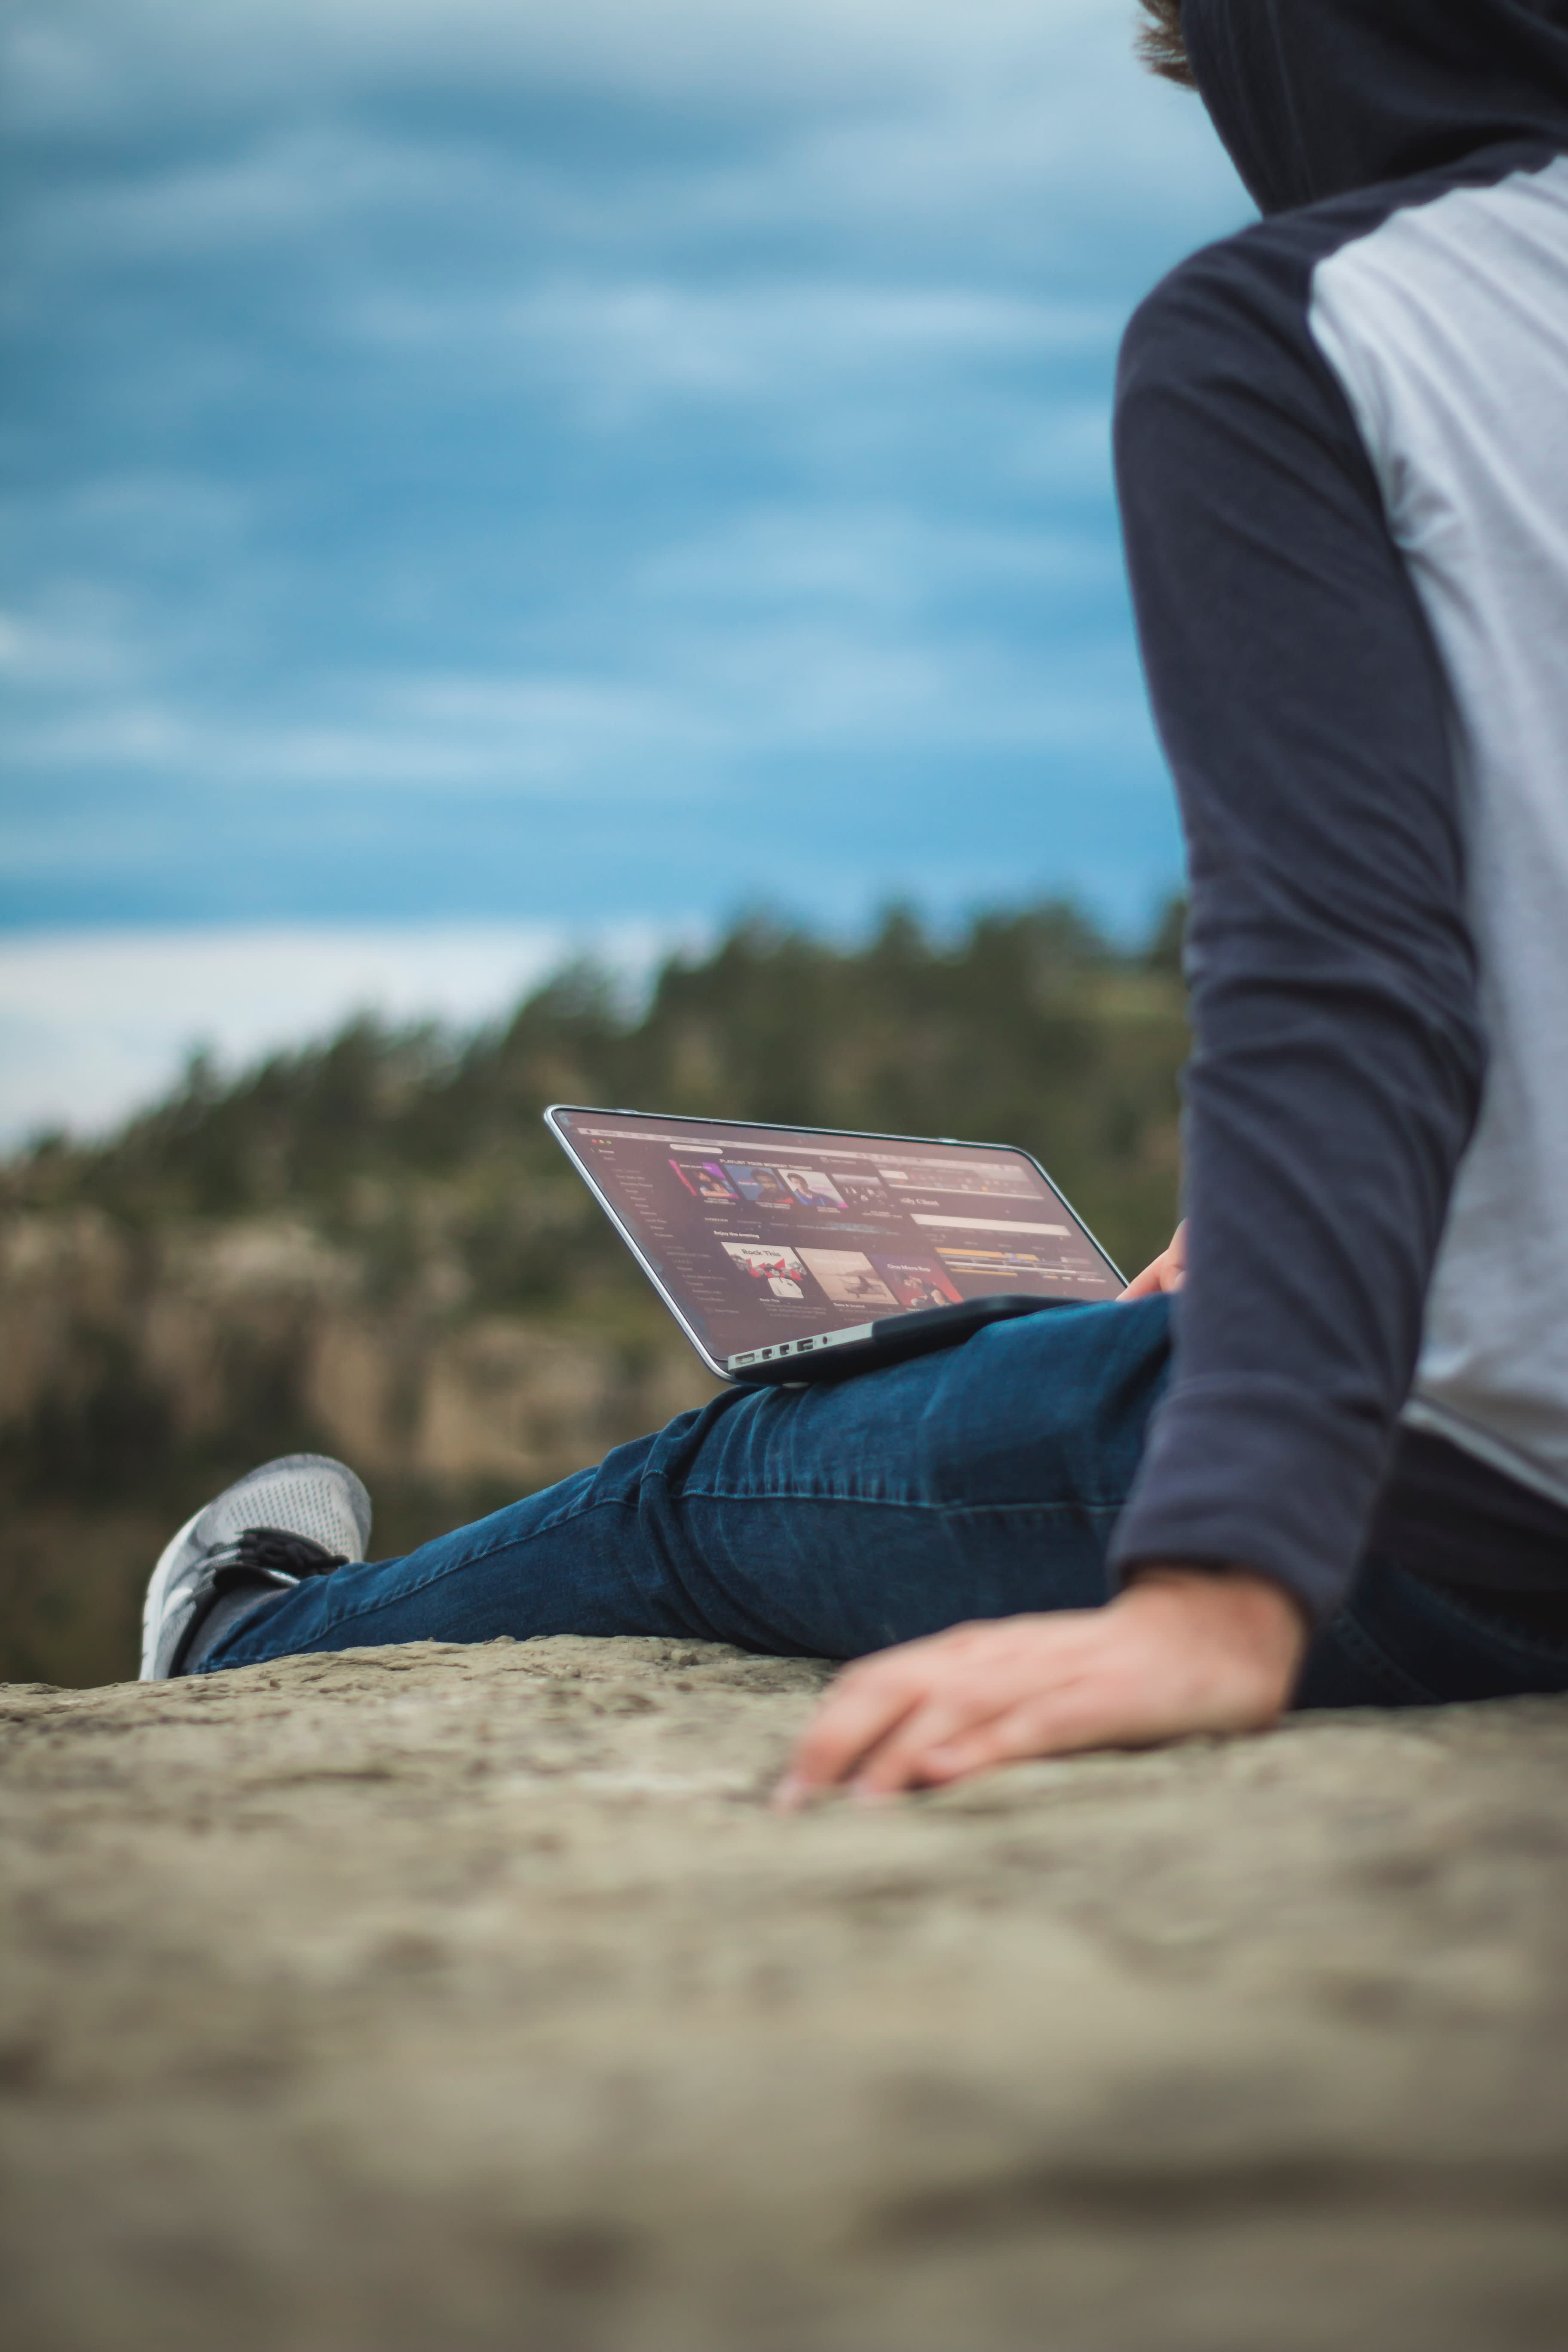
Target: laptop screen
<point>767,1234</point>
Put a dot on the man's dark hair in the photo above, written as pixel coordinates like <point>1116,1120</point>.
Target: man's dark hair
<point>1160,42</point>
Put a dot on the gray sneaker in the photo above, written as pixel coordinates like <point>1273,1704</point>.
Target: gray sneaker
<point>301,1515</point>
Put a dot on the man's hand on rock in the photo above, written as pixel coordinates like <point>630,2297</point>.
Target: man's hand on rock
<point>1179,1651</point>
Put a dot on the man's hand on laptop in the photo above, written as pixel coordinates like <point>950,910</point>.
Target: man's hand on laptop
<point>1179,1651</point>
<point>1165,1273</point>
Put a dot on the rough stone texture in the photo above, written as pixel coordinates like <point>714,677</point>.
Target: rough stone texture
<point>469,1998</point>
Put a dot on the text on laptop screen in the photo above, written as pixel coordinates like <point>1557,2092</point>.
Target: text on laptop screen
<point>762,1234</point>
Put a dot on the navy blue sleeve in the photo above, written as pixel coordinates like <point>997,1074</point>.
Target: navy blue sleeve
<point>1338,1058</point>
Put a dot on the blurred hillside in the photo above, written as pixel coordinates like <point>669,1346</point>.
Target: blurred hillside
<point>373,1246</point>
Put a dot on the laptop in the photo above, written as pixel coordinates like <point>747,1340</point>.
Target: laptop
<point>792,1253</point>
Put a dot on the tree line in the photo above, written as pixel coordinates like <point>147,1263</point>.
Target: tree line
<point>1030,1026</point>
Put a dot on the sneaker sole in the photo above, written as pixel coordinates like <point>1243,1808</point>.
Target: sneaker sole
<point>169,1559</point>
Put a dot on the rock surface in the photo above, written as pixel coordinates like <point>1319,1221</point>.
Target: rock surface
<point>458,1998</point>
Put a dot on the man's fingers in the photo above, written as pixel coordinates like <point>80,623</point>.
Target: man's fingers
<point>886,1712</point>
<point>963,1711</point>
<point>1166,1271</point>
<point>897,1759</point>
<point>1085,1711</point>
<point>858,1712</point>
<point>1083,1715</point>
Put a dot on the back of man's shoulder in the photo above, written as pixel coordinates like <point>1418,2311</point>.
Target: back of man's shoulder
<point>1252,286</point>
<point>1253,290</point>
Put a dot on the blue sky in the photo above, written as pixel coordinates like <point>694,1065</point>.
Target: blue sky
<point>535,473</point>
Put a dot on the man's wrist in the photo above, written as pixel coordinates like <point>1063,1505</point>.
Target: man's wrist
<point>1241,1608</point>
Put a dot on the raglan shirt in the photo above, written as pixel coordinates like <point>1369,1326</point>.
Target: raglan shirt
<point>1341,443</point>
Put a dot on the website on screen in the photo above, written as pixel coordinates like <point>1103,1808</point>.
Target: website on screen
<point>765,1236</point>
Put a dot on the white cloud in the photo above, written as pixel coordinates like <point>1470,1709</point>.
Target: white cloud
<point>74,60</point>
<point>249,122</point>
<point>792,677</point>
<point>93,1024</point>
<point>529,737</point>
<point>616,350</point>
<point>810,687</point>
<point>859,563</point>
<point>284,186</point>
<point>813,624</point>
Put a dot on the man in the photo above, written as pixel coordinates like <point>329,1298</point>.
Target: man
<point>1321,1450</point>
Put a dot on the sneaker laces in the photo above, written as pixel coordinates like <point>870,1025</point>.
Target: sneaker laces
<point>271,1554</point>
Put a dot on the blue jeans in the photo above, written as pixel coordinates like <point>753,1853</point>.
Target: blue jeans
<point>830,1520</point>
